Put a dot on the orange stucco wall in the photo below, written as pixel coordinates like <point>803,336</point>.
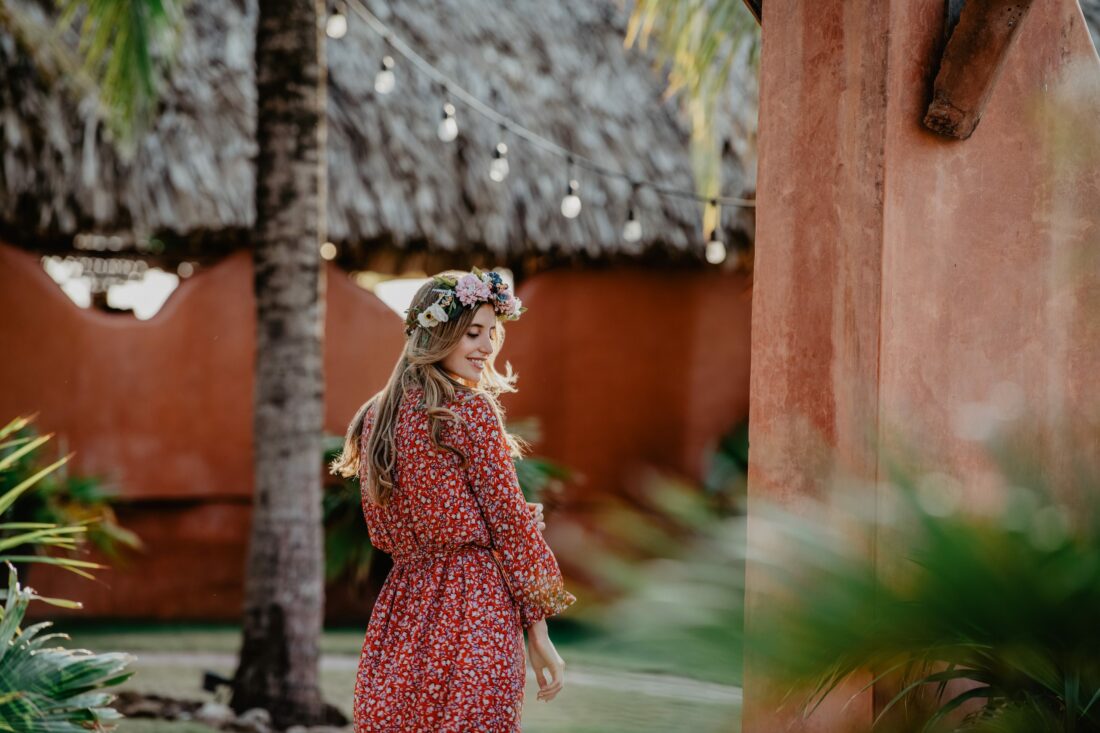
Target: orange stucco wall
<point>899,275</point>
<point>623,368</point>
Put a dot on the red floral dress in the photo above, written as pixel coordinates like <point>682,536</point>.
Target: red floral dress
<point>444,646</point>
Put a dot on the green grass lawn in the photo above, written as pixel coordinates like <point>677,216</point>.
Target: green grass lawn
<point>579,708</point>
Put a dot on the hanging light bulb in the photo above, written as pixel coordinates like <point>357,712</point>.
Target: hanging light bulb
<point>571,204</point>
<point>716,249</point>
<point>498,169</point>
<point>337,24</point>
<point>448,126</point>
<point>384,80</point>
<point>632,229</point>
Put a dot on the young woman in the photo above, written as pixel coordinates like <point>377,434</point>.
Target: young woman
<point>444,644</point>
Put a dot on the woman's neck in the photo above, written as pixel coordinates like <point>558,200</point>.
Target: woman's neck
<point>472,384</point>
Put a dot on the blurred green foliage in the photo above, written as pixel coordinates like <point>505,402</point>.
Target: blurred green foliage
<point>44,688</point>
<point>977,607</point>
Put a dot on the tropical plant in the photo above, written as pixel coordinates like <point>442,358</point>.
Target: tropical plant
<point>979,618</point>
<point>680,611</point>
<point>60,499</point>
<point>124,48</point>
<point>45,689</point>
<point>348,549</point>
<point>15,534</point>
<point>700,42</point>
<point>727,475</point>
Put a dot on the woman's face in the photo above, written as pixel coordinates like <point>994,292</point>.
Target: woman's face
<point>467,358</point>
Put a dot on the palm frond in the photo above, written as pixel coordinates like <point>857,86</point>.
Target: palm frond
<point>699,42</point>
<point>122,50</point>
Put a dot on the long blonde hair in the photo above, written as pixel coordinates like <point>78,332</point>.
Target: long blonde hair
<point>419,365</point>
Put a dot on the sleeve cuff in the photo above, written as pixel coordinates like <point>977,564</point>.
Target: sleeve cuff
<point>561,600</point>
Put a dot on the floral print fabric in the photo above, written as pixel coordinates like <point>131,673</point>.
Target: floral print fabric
<point>444,643</point>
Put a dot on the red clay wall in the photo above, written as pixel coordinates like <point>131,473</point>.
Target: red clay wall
<point>623,368</point>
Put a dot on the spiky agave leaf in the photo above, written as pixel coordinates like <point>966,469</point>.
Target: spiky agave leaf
<point>51,689</point>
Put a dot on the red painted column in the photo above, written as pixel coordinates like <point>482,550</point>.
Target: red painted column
<point>818,274</point>
<point>902,277</point>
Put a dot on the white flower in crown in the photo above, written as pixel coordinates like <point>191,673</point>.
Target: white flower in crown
<point>432,316</point>
<point>426,319</point>
<point>438,312</point>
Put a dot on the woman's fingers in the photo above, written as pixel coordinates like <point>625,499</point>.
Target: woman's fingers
<point>536,509</point>
<point>550,691</point>
<point>555,680</point>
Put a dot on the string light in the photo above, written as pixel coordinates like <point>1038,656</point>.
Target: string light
<point>448,126</point>
<point>716,249</point>
<point>571,204</point>
<point>337,24</point>
<point>384,80</point>
<point>632,232</point>
<point>475,104</point>
<point>498,169</point>
<point>632,229</point>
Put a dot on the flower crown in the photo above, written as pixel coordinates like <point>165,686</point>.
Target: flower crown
<point>467,291</point>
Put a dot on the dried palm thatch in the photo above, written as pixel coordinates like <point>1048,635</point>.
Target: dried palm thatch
<point>394,190</point>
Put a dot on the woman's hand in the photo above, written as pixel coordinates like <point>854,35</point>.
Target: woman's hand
<point>545,660</point>
<point>536,509</point>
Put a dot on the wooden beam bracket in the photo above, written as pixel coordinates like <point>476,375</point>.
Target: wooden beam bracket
<point>971,62</point>
<point>756,7</point>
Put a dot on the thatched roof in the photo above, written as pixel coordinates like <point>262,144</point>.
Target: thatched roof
<point>559,68</point>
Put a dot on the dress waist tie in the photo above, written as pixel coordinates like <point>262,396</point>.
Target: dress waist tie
<point>434,551</point>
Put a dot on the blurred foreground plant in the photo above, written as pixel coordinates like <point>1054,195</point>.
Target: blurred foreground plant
<point>978,607</point>
<point>664,560</point>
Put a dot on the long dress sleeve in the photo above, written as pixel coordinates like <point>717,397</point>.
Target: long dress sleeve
<point>529,565</point>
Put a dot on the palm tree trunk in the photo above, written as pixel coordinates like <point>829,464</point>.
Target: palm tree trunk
<point>284,589</point>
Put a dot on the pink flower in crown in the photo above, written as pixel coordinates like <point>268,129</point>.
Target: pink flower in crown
<point>471,289</point>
